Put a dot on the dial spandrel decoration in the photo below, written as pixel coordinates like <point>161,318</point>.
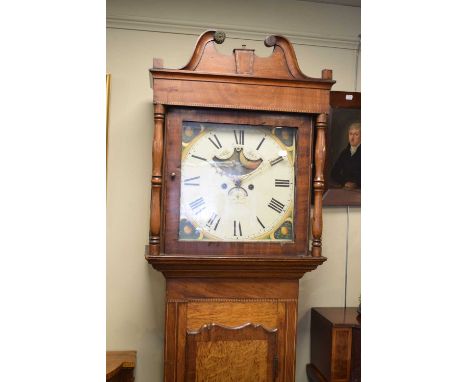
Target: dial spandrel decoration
<point>237,182</point>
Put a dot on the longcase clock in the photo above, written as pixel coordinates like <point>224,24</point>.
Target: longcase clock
<point>238,150</point>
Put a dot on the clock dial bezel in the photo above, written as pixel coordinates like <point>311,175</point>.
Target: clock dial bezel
<point>172,184</point>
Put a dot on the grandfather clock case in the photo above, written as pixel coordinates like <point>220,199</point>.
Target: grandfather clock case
<point>238,153</point>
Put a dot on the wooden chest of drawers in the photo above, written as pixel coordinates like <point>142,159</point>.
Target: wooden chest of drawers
<point>335,352</point>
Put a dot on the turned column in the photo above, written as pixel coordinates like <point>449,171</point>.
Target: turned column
<point>156,181</point>
<point>319,184</point>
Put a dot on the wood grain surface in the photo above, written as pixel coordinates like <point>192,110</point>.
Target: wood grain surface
<point>157,180</point>
<point>230,313</point>
<point>120,365</point>
<point>239,354</point>
<point>232,361</point>
<point>335,345</point>
<point>319,185</point>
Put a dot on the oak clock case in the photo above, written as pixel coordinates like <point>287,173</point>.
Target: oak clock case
<point>237,182</point>
<point>238,150</point>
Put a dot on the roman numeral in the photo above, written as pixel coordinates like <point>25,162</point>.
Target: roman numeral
<point>239,141</point>
<point>281,182</point>
<point>216,144</point>
<point>216,225</point>
<point>261,143</point>
<point>196,156</point>
<point>212,219</point>
<point>275,205</point>
<point>277,160</point>
<point>196,204</point>
<point>237,229</point>
<point>189,181</point>
<point>260,222</point>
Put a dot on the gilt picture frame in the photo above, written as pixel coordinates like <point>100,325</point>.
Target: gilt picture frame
<point>108,86</point>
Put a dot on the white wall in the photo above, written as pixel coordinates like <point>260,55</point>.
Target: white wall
<point>325,36</point>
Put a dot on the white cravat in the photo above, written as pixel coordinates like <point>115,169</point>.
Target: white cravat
<point>354,149</point>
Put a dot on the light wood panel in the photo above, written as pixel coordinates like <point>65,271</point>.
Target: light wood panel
<point>232,313</point>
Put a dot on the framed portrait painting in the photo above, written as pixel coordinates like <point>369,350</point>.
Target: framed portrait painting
<point>343,163</point>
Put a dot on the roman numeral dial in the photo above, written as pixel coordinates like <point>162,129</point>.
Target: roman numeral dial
<point>195,181</point>
<point>215,141</point>
<point>237,228</point>
<point>282,182</point>
<point>237,183</point>
<point>239,137</point>
<point>275,205</point>
<point>198,205</point>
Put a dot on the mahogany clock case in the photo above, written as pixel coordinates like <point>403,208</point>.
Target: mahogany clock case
<point>172,183</point>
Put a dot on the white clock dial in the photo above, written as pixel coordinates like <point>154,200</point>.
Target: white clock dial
<point>237,183</point>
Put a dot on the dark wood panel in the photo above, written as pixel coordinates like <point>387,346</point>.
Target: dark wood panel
<point>338,197</point>
<point>345,99</point>
<point>347,317</point>
<point>335,345</point>
<point>356,356</point>
<point>170,343</point>
<point>180,331</point>
<point>321,343</point>
<point>341,354</point>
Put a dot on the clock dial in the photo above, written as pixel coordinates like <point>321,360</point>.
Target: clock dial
<point>237,182</point>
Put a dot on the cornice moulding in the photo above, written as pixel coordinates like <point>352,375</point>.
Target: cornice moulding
<point>233,31</point>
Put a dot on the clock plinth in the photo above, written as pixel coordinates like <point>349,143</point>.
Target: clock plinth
<point>235,141</point>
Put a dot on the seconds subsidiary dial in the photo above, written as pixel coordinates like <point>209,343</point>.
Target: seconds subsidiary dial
<point>237,182</point>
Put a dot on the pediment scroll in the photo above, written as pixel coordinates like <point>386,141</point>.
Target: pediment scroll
<point>281,64</point>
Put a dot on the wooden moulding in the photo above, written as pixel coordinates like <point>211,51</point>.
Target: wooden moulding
<point>319,185</point>
<point>242,80</point>
<point>235,267</point>
<point>156,181</point>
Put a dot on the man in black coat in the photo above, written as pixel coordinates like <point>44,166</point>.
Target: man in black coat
<point>347,169</point>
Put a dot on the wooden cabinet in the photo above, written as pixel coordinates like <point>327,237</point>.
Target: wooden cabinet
<point>120,366</point>
<point>335,345</point>
<point>239,142</point>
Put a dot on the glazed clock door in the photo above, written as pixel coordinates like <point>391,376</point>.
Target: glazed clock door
<point>235,180</point>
